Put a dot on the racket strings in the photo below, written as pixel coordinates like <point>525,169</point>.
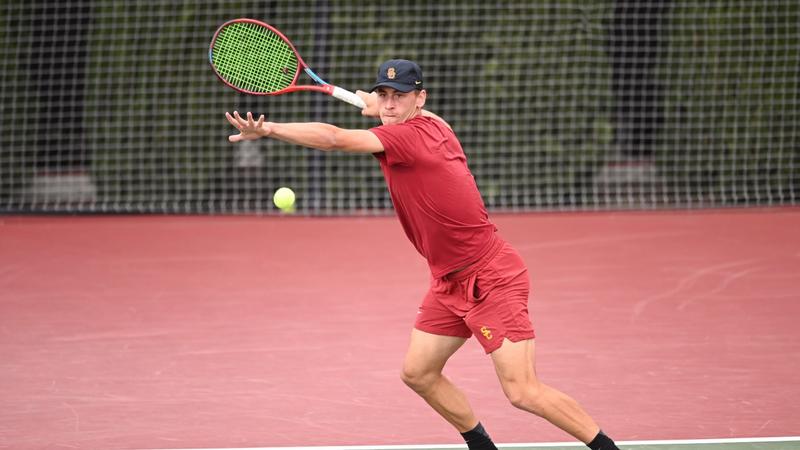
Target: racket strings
<point>253,58</point>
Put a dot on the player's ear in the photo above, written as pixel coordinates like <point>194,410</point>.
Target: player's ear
<point>422,95</point>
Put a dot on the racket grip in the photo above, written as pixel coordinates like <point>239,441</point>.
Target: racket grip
<point>349,97</point>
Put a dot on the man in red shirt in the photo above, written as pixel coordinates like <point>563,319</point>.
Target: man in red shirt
<point>479,284</point>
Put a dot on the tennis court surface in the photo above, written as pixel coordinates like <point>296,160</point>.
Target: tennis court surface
<point>774,443</point>
<point>676,331</point>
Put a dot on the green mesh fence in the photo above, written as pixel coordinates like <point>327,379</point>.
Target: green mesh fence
<point>111,106</point>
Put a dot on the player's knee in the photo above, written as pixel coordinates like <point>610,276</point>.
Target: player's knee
<point>417,379</point>
<point>525,396</point>
<point>517,398</point>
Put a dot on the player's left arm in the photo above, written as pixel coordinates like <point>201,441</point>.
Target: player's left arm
<point>317,135</point>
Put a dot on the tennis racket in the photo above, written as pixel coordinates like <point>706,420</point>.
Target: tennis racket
<point>255,58</point>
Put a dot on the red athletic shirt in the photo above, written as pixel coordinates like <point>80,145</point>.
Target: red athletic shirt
<point>434,193</point>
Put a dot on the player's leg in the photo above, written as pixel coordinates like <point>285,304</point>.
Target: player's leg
<point>514,363</point>
<point>422,371</point>
<point>439,331</point>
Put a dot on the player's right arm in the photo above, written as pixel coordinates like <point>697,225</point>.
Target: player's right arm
<point>317,135</point>
<point>427,113</point>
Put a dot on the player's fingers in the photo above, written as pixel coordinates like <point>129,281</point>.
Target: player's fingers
<point>231,120</point>
<point>364,97</point>
<point>236,124</point>
<point>236,121</point>
<point>239,119</point>
<point>369,99</point>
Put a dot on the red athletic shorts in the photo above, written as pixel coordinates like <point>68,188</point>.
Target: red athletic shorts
<point>488,299</point>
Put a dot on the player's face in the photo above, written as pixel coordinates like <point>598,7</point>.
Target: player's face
<point>398,107</point>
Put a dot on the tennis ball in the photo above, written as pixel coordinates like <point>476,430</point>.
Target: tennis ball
<point>284,199</point>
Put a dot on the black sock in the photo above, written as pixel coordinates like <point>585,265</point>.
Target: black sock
<point>602,442</point>
<point>478,439</point>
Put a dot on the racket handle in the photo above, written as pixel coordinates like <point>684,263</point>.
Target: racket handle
<point>349,97</point>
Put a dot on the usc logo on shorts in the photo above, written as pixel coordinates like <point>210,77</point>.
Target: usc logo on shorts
<point>486,332</point>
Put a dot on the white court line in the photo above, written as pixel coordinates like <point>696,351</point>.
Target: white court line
<point>501,446</point>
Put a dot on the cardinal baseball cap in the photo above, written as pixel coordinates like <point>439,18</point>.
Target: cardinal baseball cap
<point>400,74</point>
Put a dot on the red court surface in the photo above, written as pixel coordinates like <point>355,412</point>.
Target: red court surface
<point>171,332</point>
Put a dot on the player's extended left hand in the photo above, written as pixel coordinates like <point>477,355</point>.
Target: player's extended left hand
<point>249,129</point>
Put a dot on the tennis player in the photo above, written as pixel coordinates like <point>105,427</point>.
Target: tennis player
<point>479,284</point>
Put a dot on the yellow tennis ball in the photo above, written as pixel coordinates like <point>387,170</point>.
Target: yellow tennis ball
<point>284,198</point>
